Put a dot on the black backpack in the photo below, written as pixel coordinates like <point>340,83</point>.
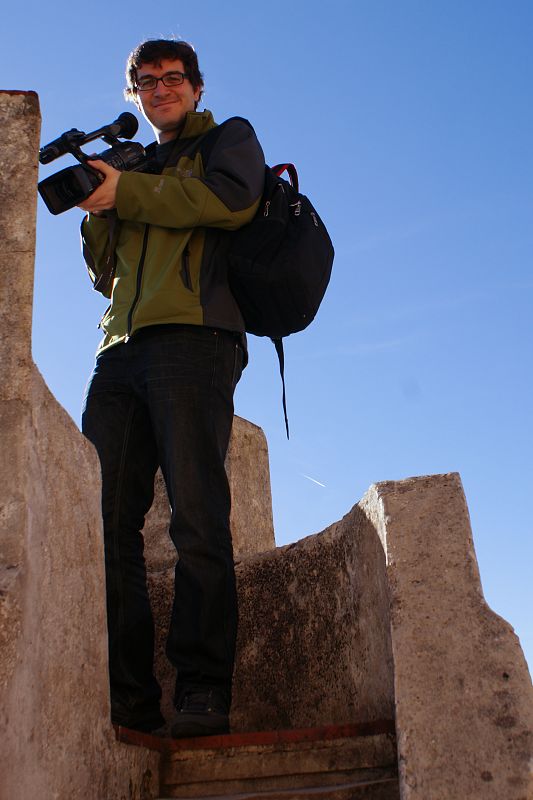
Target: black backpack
<point>279,264</point>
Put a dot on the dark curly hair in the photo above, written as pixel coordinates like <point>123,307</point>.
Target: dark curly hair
<point>153,51</point>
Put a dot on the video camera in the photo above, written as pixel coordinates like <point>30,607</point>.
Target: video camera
<point>70,186</point>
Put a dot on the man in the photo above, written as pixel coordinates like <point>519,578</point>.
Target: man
<point>162,389</point>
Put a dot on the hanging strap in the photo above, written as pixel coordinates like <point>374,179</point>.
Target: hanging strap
<point>278,344</point>
<point>290,169</point>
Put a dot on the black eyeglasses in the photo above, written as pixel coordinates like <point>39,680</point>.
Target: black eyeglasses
<point>148,82</point>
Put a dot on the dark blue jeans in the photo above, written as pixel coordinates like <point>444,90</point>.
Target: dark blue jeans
<point>166,398</point>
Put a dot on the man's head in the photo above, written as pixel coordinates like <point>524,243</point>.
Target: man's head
<point>164,103</point>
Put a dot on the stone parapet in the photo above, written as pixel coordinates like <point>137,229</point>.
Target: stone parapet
<point>57,739</point>
<point>463,694</point>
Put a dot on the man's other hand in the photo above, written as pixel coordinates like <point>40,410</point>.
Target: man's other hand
<point>104,196</point>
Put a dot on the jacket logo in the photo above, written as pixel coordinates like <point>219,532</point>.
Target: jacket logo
<point>183,173</point>
<point>159,186</point>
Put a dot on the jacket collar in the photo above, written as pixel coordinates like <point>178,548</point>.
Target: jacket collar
<point>196,123</point>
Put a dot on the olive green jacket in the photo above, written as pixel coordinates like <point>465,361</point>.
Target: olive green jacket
<point>171,243</point>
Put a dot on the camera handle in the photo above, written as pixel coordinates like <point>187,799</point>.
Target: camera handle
<point>125,126</point>
<point>71,142</point>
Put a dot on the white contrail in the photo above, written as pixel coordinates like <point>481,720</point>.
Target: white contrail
<point>312,479</point>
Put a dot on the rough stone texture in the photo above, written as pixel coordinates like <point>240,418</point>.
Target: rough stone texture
<point>251,526</point>
<point>57,740</point>
<point>314,644</point>
<point>321,654</point>
<point>464,701</point>
<point>281,766</point>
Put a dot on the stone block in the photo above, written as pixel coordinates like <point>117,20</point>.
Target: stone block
<point>19,138</point>
<point>247,467</point>
<point>463,695</point>
<point>314,643</point>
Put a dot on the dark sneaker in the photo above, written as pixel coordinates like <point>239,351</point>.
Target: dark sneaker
<point>201,712</point>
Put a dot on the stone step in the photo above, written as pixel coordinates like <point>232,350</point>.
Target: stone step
<point>386,789</point>
<point>336,762</point>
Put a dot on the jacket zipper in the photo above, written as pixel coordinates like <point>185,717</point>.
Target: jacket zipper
<point>185,271</point>
<point>140,268</point>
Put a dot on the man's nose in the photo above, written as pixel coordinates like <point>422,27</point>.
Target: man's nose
<point>161,89</point>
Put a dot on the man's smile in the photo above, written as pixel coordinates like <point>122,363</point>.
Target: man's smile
<point>165,107</point>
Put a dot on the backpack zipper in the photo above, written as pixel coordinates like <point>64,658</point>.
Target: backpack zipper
<point>140,268</point>
<point>297,208</point>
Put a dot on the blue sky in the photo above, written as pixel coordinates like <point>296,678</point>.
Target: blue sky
<point>411,127</point>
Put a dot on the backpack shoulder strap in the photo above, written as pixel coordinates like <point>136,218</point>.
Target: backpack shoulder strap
<point>209,139</point>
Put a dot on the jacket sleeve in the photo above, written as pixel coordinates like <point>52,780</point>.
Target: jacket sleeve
<point>94,238</point>
<point>227,196</point>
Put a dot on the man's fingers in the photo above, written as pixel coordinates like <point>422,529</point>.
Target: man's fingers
<point>100,165</point>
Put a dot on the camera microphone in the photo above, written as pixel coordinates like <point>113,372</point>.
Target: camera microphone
<point>125,126</point>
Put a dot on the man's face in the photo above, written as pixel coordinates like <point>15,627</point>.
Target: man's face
<point>165,107</point>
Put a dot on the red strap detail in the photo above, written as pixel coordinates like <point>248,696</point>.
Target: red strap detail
<point>290,169</point>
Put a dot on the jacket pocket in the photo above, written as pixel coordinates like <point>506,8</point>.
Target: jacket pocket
<point>185,271</point>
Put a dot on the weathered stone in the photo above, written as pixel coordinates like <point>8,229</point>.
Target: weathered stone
<point>19,137</point>
<point>281,766</point>
<point>314,642</point>
<point>57,739</point>
<point>252,527</point>
<point>161,592</point>
<point>463,695</point>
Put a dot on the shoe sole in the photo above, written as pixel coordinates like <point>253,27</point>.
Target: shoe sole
<point>188,726</point>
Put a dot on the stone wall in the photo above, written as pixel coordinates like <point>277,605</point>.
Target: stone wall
<point>57,740</point>
<point>382,616</point>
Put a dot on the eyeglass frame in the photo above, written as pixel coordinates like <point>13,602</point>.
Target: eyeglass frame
<point>162,79</point>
